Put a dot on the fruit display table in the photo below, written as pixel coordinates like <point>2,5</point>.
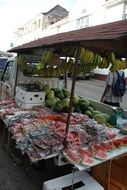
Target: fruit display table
<point>40,134</point>
<point>110,171</point>
<point>26,128</point>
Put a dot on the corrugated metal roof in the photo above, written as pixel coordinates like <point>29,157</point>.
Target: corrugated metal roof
<point>116,31</point>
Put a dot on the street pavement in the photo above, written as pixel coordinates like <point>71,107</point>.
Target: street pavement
<point>93,89</point>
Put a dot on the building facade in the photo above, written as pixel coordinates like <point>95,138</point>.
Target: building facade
<point>36,28</point>
<point>83,14</point>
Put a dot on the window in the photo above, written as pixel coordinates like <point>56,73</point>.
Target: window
<point>125,13</point>
<point>39,23</point>
<point>35,25</point>
<point>3,62</point>
<point>83,22</point>
<point>83,11</point>
<point>8,73</point>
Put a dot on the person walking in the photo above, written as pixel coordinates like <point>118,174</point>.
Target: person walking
<point>108,96</point>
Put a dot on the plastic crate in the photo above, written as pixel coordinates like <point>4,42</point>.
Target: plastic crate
<point>81,181</point>
<point>25,105</point>
<point>29,97</point>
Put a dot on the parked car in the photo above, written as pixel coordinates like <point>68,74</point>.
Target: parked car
<point>83,76</point>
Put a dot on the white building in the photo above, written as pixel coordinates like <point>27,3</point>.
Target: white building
<point>91,13</point>
<point>83,14</point>
<point>37,27</point>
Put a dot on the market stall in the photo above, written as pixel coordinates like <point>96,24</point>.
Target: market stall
<point>101,46</point>
<point>42,128</point>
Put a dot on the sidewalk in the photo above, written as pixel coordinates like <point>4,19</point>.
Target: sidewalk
<point>27,177</point>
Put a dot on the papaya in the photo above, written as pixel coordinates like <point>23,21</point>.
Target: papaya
<point>107,117</point>
<point>99,118</point>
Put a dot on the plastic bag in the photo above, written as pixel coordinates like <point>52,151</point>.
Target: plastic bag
<point>120,123</point>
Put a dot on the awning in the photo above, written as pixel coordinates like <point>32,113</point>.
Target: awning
<point>100,38</point>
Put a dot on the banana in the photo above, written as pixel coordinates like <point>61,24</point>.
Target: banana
<point>82,54</point>
<point>98,60</point>
<point>58,71</point>
<point>119,65</point>
<point>68,50</point>
<point>95,59</point>
<point>47,57</point>
<point>107,63</point>
<point>21,60</point>
<point>41,65</point>
<point>103,63</point>
<point>112,57</point>
<point>112,68</point>
<point>125,64</point>
<point>115,66</point>
<point>70,64</point>
<point>91,57</point>
<point>86,57</point>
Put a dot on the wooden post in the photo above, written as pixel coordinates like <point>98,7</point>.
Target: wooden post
<point>77,54</point>
<point>65,75</point>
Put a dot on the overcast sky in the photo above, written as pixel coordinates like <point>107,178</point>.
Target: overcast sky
<point>15,13</point>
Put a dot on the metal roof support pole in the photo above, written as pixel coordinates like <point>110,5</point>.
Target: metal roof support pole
<point>76,56</point>
<point>65,75</point>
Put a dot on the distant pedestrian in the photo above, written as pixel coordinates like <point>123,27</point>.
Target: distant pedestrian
<point>108,96</point>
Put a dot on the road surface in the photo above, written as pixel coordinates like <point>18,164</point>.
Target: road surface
<point>93,89</point>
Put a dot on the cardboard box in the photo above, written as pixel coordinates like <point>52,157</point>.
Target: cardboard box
<point>81,181</point>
